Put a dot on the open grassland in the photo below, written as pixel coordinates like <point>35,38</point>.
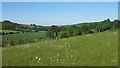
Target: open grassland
<point>7,31</point>
<point>25,36</point>
<point>98,49</point>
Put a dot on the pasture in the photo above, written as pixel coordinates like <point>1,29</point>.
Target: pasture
<point>26,35</point>
<point>98,49</point>
<point>22,38</point>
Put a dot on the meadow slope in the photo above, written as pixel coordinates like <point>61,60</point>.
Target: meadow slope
<point>98,49</point>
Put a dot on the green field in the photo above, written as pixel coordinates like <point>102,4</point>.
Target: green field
<point>7,31</point>
<point>98,49</point>
<point>26,36</point>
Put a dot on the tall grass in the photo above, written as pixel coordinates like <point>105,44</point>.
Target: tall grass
<point>98,49</point>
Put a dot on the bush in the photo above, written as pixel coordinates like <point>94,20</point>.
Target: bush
<point>64,34</point>
<point>12,42</point>
<point>11,33</point>
<point>3,33</point>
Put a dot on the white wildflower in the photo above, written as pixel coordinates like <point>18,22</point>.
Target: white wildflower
<point>39,58</point>
<point>71,56</point>
<point>73,63</point>
<point>60,59</point>
<point>70,50</point>
<point>69,46</point>
<point>51,60</point>
<point>57,54</point>
<point>57,59</point>
<point>38,61</point>
<point>108,43</point>
<point>36,57</point>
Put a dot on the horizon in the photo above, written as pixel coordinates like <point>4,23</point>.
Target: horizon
<point>58,13</point>
<point>58,25</point>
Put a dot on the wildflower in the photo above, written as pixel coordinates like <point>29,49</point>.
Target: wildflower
<point>39,59</point>
<point>71,56</point>
<point>69,46</point>
<point>73,63</point>
<point>51,60</point>
<point>108,43</point>
<point>57,59</point>
<point>57,54</point>
<point>60,59</point>
<point>70,50</point>
<point>36,57</point>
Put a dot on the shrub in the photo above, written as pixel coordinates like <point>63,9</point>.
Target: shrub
<point>64,34</point>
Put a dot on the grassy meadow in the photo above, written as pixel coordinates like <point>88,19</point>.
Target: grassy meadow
<point>25,36</point>
<point>97,49</point>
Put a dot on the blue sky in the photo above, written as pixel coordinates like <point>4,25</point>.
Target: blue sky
<point>58,13</point>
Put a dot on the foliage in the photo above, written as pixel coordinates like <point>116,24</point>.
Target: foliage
<point>64,34</point>
<point>53,31</point>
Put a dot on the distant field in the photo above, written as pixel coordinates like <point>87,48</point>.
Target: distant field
<point>98,49</point>
<point>25,36</point>
<point>7,31</point>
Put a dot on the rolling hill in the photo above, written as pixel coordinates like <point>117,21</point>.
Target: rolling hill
<point>97,49</point>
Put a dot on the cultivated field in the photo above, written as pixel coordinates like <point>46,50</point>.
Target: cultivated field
<point>98,49</point>
<point>7,31</point>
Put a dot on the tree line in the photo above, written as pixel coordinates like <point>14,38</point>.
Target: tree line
<point>8,25</point>
<point>67,31</point>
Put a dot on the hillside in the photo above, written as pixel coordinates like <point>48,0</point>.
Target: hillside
<point>97,49</point>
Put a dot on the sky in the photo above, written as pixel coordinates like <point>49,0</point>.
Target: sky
<point>60,0</point>
<point>58,13</point>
